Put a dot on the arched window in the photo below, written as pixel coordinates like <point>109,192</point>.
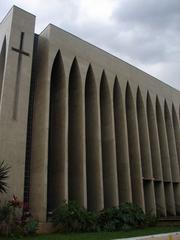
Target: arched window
<point>56,151</point>
<point>2,64</point>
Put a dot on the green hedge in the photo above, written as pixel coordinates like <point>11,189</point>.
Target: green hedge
<point>70,217</point>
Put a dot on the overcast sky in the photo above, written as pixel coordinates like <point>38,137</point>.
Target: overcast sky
<point>143,33</point>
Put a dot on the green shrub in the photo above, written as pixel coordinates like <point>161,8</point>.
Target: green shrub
<point>30,227</point>
<point>89,221</point>
<point>132,215</point>
<point>108,219</point>
<point>70,217</point>
<point>12,223</point>
<point>9,219</point>
<point>126,217</point>
<point>5,213</point>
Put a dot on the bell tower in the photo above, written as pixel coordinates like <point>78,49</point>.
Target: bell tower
<point>16,46</point>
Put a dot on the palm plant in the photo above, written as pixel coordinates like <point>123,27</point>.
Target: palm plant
<point>4,170</point>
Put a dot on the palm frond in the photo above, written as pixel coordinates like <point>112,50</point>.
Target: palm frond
<point>4,174</point>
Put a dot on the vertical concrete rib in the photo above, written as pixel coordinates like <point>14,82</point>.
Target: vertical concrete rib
<point>2,63</point>
<point>95,200</point>
<point>154,141</point>
<point>176,188</point>
<point>76,161</point>
<point>123,167</point>
<point>176,132</point>
<point>165,158</point>
<point>57,157</point>
<point>173,156</point>
<point>156,159</point>
<point>134,150</point>
<point>110,182</point>
<point>160,198</point>
<point>169,195</point>
<point>149,195</point>
<point>143,138</point>
<point>171,145</point>
<point>163,143</point>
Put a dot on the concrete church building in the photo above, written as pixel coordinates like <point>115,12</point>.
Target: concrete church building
<point>77,123</point>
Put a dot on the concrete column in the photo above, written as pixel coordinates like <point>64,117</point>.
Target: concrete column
<point>173,157</point>
<point>169,196</point>
<point>57,157</point>
<point>160,198</point>
<point>176,132</point>
<point>154,141</point>
<point>163,143</point>
<point>149,195</point>
<point>95,200</point>
<point>123,166</point>
<point>134,150</point>
<point>165,158</point>
<point>40,133</point>
<point>143,138</point>
<point>108,146</point>
<point>176,188</point>
<point>156,159</point>
<point>171,145</point>
<point>76,143</point>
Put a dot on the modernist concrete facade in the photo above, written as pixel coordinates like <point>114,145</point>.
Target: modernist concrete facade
<point>77,123</point>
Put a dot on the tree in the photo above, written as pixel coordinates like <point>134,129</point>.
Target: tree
<point>4,170</point>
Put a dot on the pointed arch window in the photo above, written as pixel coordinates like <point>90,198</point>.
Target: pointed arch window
<point>2,64</point>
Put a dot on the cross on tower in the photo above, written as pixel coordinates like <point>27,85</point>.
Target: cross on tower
<point>17,83</point>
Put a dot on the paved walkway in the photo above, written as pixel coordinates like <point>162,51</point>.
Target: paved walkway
<point>164,236</point>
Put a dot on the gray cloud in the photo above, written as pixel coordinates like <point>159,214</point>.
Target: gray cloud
<point>156,15</point>
<point>151,33</point>
<point>144,33</point>
<point>154,27</point>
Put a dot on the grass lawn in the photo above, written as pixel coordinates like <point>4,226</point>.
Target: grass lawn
<point>103,235</point>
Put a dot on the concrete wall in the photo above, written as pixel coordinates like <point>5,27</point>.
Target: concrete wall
<point>120,128</point>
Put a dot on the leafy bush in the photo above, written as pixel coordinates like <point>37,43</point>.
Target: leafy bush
<point>12,223</point>
<point>30,227</point>
<point>108,219</point>
<point>126,217</point>
<point>9,219</point>
<point>89,221</point>
<point>70,217</point>
<point>132,215</point>
<point>5,212</point>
